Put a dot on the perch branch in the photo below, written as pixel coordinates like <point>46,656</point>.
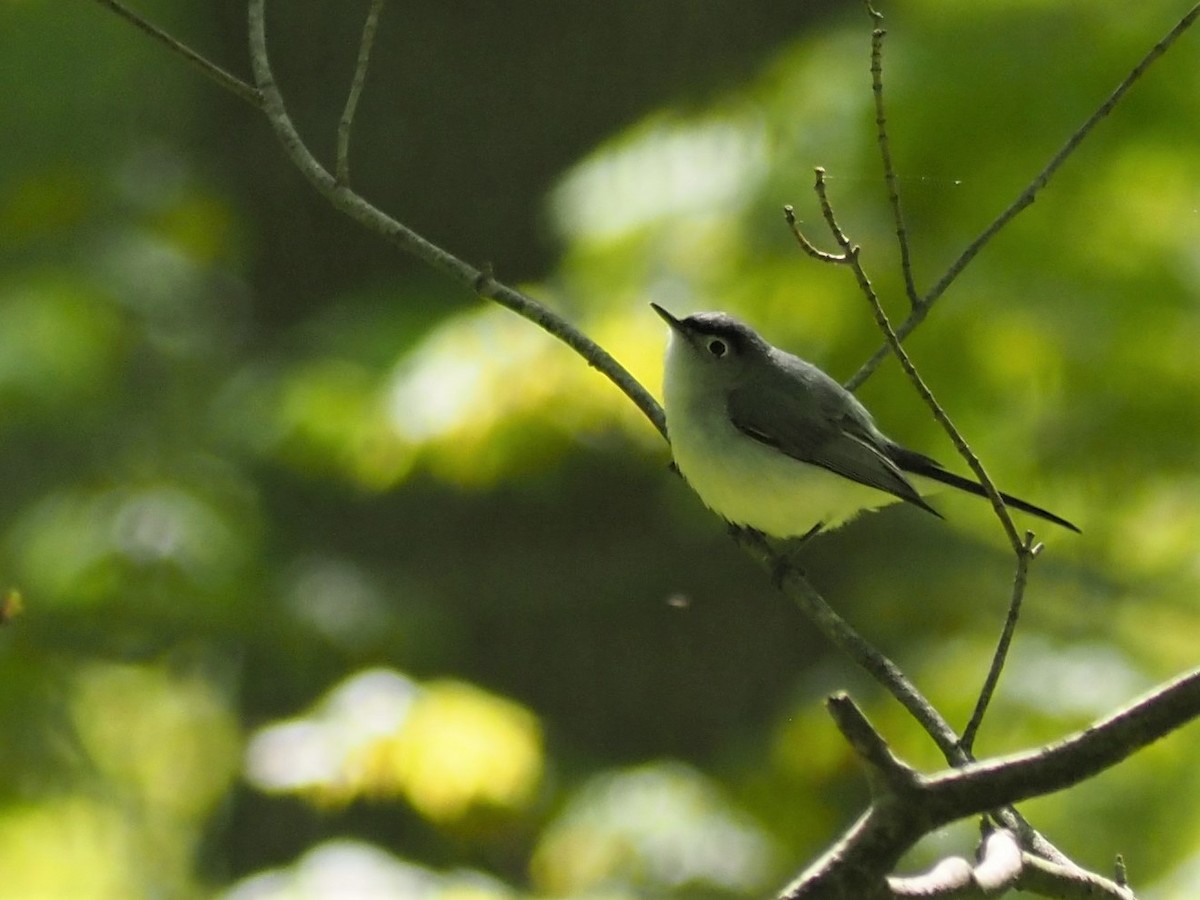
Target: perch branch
<point>268,98</point>
<point>794,584</point>
<point>838,631</point>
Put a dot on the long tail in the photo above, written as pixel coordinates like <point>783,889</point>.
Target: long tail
<point>919,464</point>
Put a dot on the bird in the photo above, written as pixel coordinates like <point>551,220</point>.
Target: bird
<point>772,443</point>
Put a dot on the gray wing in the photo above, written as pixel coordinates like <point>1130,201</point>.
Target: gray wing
<point>811,422</point>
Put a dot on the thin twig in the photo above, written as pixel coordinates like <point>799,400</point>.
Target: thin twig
<point>1029,549</point>
<point>917,313</point>
<point>1028,195</point>
<point>212,70</point>
<point>346,123</point>
<point>407,240</point>
<point>914,376</point>
<point>885,153</point>
<point>789,215</point>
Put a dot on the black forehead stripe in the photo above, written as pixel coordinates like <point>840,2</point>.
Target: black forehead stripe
<point>722,326</point>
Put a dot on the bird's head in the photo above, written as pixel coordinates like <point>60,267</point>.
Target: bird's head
<point>710,350</point>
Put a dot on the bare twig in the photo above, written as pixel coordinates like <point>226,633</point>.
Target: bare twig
<point>346,123</point>
<point>404,238</point>
<point>1030,193</point>
<point>1026,197</point>
<point>842,635</point>
<point>267,98</point>
<point>789,215</point>
<point>212,70</point>
<point>868,290</point>
<point>1029,549</point>
<point>885,153</point>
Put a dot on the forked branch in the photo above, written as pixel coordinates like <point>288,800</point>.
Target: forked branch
<point>906,806</point>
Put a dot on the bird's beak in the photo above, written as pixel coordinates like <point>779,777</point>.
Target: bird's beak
<point>675,324</point>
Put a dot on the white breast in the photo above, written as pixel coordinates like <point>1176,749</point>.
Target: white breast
<point>750,483</point>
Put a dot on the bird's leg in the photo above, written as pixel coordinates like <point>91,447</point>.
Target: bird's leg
<point>782,561</point>
<point>812,532</point>
<point>786,561</point>
<point>736,531</point>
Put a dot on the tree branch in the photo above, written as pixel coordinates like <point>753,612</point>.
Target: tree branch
<point>210,70</point>
<point>789,216</point>
<point>904,808</point>
<point>1026,197</point>
<point>885,153</point>
<point>998,870</point>
<point>404,238</point>
<point>1029,550</point>
<point>346,123</point>
<point>796,586</point>
<point>792,582</point>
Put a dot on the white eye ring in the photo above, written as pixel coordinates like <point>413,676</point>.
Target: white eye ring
<point>717,347</point>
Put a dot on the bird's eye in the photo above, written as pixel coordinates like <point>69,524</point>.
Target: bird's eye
<point>717,347</point>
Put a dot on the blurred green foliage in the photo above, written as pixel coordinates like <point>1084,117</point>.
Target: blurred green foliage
<point>335,582</point>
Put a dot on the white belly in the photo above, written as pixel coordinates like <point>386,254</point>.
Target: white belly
<point>751,484</point>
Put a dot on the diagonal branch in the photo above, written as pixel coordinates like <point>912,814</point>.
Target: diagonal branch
<point>839,632</point>
<point>1029,551</point>
<point>209,69</point>
<point>980,786</point>
<point>917,315</point>
<point>404,238</point>
<point>268,98</point>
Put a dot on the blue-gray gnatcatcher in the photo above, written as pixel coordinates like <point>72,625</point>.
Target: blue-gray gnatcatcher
<point>771,442</point>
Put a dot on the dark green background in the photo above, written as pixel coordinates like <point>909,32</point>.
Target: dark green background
<point>214,518</point>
